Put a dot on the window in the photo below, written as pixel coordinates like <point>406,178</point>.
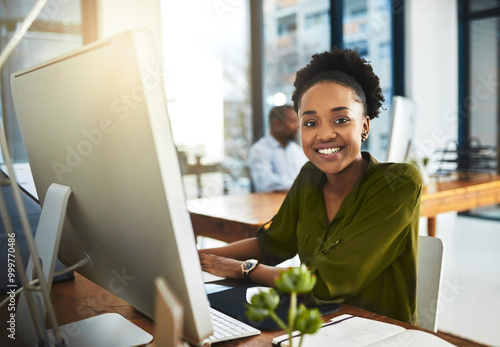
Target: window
<point>367,26</point>
<point>479,73</point>
<point>483,83</point>
<point>317,19</point>
<point>56,30</point>
<point>481,5</point>
<point>286,25</point>
<point>293,32</point>
<point>479,116</point>
<point>206,60</point>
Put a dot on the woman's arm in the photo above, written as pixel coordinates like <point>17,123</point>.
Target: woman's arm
<point>226,262</point>
<point>241,250</point>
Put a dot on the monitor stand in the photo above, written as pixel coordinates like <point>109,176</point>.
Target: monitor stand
<point>109,329</point>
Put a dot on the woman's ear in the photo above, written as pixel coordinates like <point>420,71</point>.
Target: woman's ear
<point>365,129</point>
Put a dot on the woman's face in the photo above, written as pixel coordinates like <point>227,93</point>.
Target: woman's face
<point>332,124</point>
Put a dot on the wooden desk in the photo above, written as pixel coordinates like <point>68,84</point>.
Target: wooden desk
<point>234,217</point>
<point>458,195</point>
<point>80,299</point>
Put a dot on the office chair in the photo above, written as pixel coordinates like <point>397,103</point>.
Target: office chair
<point>429,275</point>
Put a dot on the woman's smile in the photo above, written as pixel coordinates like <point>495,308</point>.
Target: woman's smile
<point>328,151</point>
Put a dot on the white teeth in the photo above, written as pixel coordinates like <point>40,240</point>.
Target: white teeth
<point>329,150</point>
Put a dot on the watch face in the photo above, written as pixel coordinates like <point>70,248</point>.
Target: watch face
<point>248,266</point>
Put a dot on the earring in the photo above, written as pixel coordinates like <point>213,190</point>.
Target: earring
<point>364,137</point>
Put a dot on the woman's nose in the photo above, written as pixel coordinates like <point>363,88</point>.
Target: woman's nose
<point>326,133</point>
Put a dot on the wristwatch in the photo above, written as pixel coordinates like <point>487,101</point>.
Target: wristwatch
<point>248,266</point>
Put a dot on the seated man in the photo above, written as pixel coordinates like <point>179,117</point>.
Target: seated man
<point>275,159</point>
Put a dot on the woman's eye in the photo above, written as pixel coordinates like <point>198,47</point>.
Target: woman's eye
<point>310,123</point>
<point>341,120</point>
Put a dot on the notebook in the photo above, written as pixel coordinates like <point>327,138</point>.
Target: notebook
<point>349,331</point>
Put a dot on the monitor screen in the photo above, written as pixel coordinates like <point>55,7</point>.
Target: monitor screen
<point>402,130</point>
<point>96,120</point>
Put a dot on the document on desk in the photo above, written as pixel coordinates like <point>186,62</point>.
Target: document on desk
<point>350,331</point>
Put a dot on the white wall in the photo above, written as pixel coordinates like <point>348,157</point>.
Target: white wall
<point>432,70</point>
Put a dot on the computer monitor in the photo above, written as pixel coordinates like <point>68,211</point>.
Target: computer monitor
<point>402,130</point>
<point>96,120</point>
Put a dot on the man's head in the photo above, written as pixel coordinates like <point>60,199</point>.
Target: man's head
<point>284,123</point>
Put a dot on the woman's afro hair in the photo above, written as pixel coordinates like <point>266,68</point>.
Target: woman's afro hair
<point>347,62</point>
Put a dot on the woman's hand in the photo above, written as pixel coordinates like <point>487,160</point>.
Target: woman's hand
<point>221,266</point>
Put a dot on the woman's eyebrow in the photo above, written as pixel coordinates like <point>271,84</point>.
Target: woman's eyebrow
<point>335,109</point>
<point>340,108</point>
<point>308,112</point>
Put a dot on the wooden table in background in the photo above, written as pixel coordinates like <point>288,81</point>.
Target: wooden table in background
<point>458,195</point>
<point>80,299</point>
<point>234,217</point>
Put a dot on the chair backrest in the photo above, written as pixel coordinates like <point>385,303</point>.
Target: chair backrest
<point>429,274</point>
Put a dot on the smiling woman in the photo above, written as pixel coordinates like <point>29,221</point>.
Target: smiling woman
<point>352,221</point>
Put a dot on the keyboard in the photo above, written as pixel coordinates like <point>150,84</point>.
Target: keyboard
<point>227,328</point>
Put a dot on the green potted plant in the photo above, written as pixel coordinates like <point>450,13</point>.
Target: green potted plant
<point>294,281</point>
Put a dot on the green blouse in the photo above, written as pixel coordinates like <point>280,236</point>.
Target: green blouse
<point>367,256</point>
